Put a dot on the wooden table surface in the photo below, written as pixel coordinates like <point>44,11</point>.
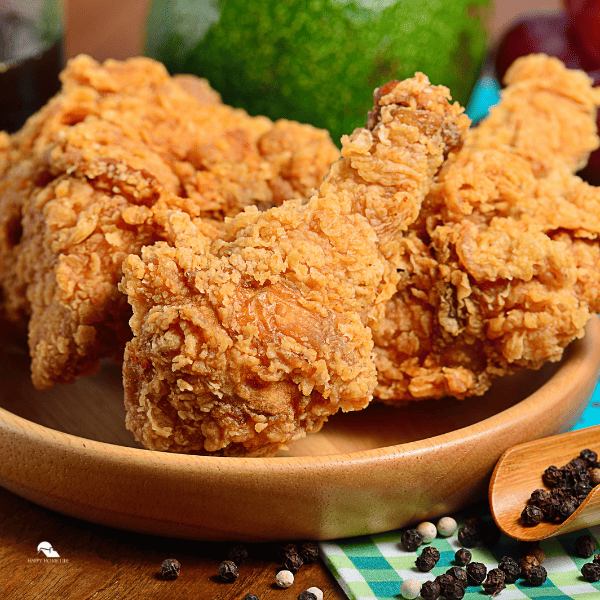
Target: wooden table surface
<point>99,563</point>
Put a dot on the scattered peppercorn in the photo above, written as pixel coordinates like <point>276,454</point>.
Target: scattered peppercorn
<point>444,581</point>
<point>476,573</point>
<point>292,562</point>
<point>285,550</point>
<point>531,515</point>
<point>428,531</point>
<point>536,575</point>
<point>539,496</point>
<point>526,563</point>
<point>316,591</point>
<point>306,595</point>
<point>454,591</point>
<point>510,568</point>
<point>430,590</point>
<point>459,574</point>
<point>250,597</point>
<point>446,526</point>
<point>428,559</point>
<point>591,572</point>
<point>411,540</point>
<point>169,569</point>
<point>410,589</point>
<point>309,551</point>
<point>585,546</point>
<point>597,559</point>
<point>284,579</point>
<point>238,554</point>
<point>468,535</point>
<point>494,582</point>
<point>228,571</point>
<point>431,552</point>
<point>425,563</point>
<point>539,554</point>
<point>462,557</point>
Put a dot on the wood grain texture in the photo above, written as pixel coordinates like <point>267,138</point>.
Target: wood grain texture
<point>108,564</point>
<point>519,472</point>
<point>365,472</point>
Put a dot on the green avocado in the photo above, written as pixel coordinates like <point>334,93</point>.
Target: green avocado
<point>318,61</point>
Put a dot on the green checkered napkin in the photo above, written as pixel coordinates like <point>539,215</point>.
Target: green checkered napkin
<point>373,567</point>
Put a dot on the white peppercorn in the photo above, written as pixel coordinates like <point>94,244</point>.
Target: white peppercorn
<point>428,531</point>
<point>446,526</point>
<point>284,579</point>
<point>410,589</point>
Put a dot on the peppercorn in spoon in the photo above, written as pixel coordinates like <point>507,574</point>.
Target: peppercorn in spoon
<point>549,482</point>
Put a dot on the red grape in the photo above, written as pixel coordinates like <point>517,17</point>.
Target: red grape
<point>548,34</point>
<point>584,22</point>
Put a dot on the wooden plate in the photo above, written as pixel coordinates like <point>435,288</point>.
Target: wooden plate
<point>379,469</point>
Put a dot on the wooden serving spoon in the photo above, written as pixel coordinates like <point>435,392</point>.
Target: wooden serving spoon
<point>519,472</point>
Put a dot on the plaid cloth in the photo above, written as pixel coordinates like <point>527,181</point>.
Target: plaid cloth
<point>373,567</point>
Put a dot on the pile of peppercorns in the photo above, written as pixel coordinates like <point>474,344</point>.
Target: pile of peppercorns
<point>291,557</point>
<point>569,485</point>
<point>452,584</point>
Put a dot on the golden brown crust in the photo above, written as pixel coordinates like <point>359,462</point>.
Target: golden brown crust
<point>501,269</point>
<point>80,183</point>
<point>245,343</point>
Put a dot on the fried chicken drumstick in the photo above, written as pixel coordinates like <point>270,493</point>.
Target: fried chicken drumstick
<point>502,268</point>
<point>245,343</point>
<point>80,184</point>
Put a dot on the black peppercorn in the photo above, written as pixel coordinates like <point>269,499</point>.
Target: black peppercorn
<point>411,540</point>
<point>510,568</point>
<point>550,509</point>
<point>585,546</point>
<point>306,595</point>
<point>566,509</point>
<point>536,575</point>
<point>589,456</point>
<point>430,590</point>
<point>526,563</point>
<point>597,559</point>
<point>462,557</point>
<point>552,475</point>
<point>228,571</point>
<point>238,554</point>
<point>476,573</point>
<point>591,572</point>
<point>531,515</point>
<point>285,550</point>
<point>309,551</point>
<point>169,569</point>
<point>428,559</point>
<point>444,581</point>
<point>581,489</point>
<point>539,496</point>
<point>459,574</point>
<point>292,562</point>
<point>431,552</point>
<point>455,590</point>
<point>577,464</point>
<point>494,582</point>
<point>468,535</point>
<point>250,597</point>
<point>425,563</point>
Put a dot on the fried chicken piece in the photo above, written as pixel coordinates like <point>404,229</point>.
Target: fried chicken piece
<point>245,343</point>
<point>502,267</point>
<point>80,183</point>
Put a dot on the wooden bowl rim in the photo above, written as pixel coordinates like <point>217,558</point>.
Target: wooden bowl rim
<point>583,354</point>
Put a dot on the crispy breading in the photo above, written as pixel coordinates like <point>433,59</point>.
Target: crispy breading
<point>502,267</point>
<point>79,185</point>
<point>245,343</point>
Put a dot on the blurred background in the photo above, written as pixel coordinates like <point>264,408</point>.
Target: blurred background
<point>114,28</point>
